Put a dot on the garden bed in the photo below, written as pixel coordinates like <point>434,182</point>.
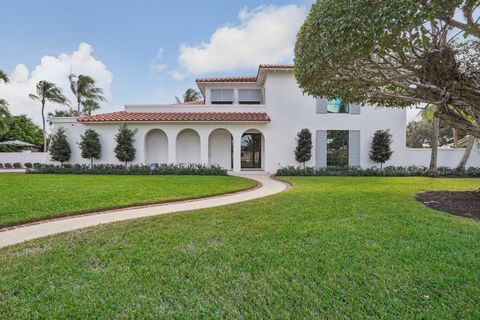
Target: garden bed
<point>460,203</point>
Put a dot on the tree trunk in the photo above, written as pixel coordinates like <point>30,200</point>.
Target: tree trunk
<point>79,100</point>
<point>91,162</point>
<point>466,154</point>
<point>44,131</point>
<point>434,146</point>
<point>455,137</point>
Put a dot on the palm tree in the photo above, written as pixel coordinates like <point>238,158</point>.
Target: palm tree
<point>89,105</point>
<point>428,114</point>
<point>189,96</point>
<point>4,116</point>
<point>48,91</point>
<point>3,76</point>
<point>84,87</point>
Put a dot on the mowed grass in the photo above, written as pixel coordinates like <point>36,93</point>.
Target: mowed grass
<point>25,197</point>
<point>331,248</point>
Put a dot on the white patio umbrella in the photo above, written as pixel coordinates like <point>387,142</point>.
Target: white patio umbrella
<point>17,143</point>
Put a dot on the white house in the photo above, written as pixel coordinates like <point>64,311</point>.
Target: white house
<point>251,123</point>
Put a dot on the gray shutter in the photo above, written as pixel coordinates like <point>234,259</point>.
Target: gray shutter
<point>321,105</point>
<point>321,149</point>
<point>355,108</point>
<point>354,148</point>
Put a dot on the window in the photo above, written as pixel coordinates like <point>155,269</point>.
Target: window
<point>337,148</point>
<point>251,151</point>
<point>249,96</point>
<point>337,106</point>
<point>221,96</point>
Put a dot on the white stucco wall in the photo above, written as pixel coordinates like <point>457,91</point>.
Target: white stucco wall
<point>220,148</point>
<point>289,110</point>
<point>156,147</point>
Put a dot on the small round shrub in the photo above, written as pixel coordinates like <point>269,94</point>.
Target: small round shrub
<point>17,165</point>
<point>8,166</point>
<point>37,165</point>
<point>1,165</point>
<point>28,165</point>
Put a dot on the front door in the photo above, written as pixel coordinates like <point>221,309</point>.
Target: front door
<point>251,151</point>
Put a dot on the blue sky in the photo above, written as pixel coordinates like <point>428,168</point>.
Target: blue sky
<point>141,51</point>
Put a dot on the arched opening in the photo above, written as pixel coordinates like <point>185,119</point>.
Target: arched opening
<point>220,148</point>
<point>156,147</point>
<point>252,150</point>
<point>188,146</point>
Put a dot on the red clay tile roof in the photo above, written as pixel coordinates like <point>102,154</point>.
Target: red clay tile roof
<point>229,79</point>
<point>246,78</point>
<point>177,116</point>
<point>276,66</point>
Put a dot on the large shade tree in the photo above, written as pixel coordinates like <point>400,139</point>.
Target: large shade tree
<point>21,128</point>
<point>85,87</point>
<point>395,53</point>
<point>47,91</point>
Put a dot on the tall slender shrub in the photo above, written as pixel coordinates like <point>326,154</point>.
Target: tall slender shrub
<point>90,145</point>
<point>125,151</point>
<point>380,148</point>
<point>303,152</point>
<point>59,147</point>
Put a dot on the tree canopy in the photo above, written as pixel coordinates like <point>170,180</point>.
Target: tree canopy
<point>395,53</point>
<point>22,128</point>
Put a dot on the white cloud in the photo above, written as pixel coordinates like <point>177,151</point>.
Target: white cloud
<point>156,66</point>
<point>264,35</point>
<point>177,75</point>
<point>56,70</point>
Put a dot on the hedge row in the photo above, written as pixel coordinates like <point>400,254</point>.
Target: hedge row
<point>116,169</point>
<point>390,171</point>
<point>15,165</point>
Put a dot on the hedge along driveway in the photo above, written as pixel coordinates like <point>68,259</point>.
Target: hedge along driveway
<point>26,198</point>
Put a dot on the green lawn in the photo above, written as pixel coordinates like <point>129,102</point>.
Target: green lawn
<point>334,248</point>
<point>25,197</point>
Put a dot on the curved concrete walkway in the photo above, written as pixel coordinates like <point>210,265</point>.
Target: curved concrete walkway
<point>268,187</point>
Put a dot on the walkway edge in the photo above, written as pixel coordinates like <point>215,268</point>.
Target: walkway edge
<point>267,186</point>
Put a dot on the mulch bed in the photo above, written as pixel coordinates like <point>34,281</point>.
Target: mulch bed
<point>460,203</point>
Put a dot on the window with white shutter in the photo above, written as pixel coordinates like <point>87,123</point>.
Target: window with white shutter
<point>249,96</point>
<point>221,96</point>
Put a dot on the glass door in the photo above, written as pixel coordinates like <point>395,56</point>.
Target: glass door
<point>251,150</point>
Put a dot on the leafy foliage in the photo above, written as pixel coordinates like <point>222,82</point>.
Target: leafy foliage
<point>47,91</point>
<point>90,145</point>
<point>84,87</point>
<point>4,116</point>
<point>59,146</point>
<point>303,151</point>
<point>390,171</point>
<point>189,96</point>
<point>21,128</point>
<point>3,76</point>
<point>115,169</point>
<point>88,106</point>
<point>394,53</point>
<point>419,134</point>
<point>380,147</point>
<point>124,150</point>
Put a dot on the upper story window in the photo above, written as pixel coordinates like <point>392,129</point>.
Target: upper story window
<point>249,96</point>
<point>221,96</point>
<point>337,106</point>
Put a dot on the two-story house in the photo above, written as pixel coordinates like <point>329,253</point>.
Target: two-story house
<point>251,123</point>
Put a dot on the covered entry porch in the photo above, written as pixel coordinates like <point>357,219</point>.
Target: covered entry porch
<point>235,148</point>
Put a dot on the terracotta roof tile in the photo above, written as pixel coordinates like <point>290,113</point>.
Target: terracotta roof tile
<point>276,66</point>
<point>177,117</point>
<point>229,79</point>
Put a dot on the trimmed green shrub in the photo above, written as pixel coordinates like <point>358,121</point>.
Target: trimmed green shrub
<point>28,165</point>
<point>8,166</point>
<point>142,169</point>
<point>389,171</point>
<point>59,147</point>
<point>1,165</point>
<point>17,165</point>
<point>37,165</point>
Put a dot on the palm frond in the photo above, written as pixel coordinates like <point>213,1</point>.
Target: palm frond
<point>3,76</point>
